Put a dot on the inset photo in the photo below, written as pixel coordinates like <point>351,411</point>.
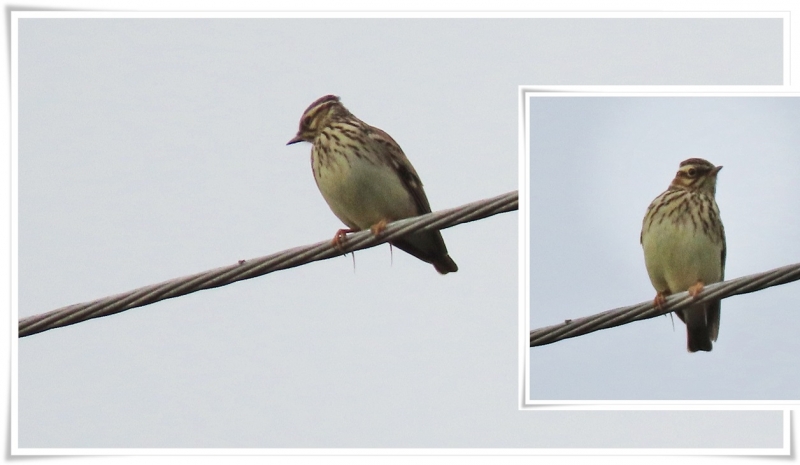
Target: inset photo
<point>662,246</point>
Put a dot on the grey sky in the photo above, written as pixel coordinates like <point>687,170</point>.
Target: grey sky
<point>596,164</point>
<point>151,149</point>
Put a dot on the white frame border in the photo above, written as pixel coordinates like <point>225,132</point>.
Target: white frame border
<point>526,95</point>
<point>657,12</point>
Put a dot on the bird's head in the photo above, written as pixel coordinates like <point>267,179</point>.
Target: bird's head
<point>696,174</point>
<point>316,117</point>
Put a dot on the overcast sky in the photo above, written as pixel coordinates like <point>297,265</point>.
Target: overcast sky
<point>152,149</point>
<point>596,164</point>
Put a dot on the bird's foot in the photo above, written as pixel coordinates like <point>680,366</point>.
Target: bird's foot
<point>660,300</point>
<point>695,290</point>
<point>378,227</point>
<point>340,237</point>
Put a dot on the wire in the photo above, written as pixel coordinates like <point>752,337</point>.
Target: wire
<point>645,310</point>
<point>247,269</point>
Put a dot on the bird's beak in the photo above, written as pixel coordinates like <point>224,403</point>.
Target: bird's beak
<point>297,139</point>
<point>716,170</point>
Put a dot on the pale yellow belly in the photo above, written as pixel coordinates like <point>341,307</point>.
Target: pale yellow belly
<point>361,193</point>
<point>677,257</point>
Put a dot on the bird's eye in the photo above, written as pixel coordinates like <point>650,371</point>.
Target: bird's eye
<point>691,172</point>
<point>307,121</point>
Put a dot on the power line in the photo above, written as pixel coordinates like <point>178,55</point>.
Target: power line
<point>645,310</point>
<point>247,269</point>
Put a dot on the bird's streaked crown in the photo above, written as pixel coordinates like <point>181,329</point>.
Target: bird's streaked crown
<point>696,174</point>
<point>317,116</point>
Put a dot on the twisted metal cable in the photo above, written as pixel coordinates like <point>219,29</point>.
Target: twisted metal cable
<point>247,269</point>
<point>645,310</point>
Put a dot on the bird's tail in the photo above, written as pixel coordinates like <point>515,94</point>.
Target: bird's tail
<point>429,247</point>
<point>702,326</point>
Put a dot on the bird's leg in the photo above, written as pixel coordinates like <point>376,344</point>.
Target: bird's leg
<point>340,237</point>
<point>660,300</point>
<point>378,227</point>
<point>695,290</point>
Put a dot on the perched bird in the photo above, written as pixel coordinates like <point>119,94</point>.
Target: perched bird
<point>684,246</point>
<point>366,179</point>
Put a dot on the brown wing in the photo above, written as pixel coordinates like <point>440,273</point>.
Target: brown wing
<point>393,155</point>
<point>428,246</point>
<point>724,252</point>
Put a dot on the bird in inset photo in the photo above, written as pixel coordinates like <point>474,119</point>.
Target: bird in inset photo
<point>684,247</point>
<point>366,179</point>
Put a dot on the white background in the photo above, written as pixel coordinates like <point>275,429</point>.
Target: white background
<point>211,357</point>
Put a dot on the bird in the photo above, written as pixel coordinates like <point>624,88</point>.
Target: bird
<point>366,179</point>
<point>684,247</point>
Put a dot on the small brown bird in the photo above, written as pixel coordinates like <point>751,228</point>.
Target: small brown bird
<point>366,179</point>
<point>684,246</point>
